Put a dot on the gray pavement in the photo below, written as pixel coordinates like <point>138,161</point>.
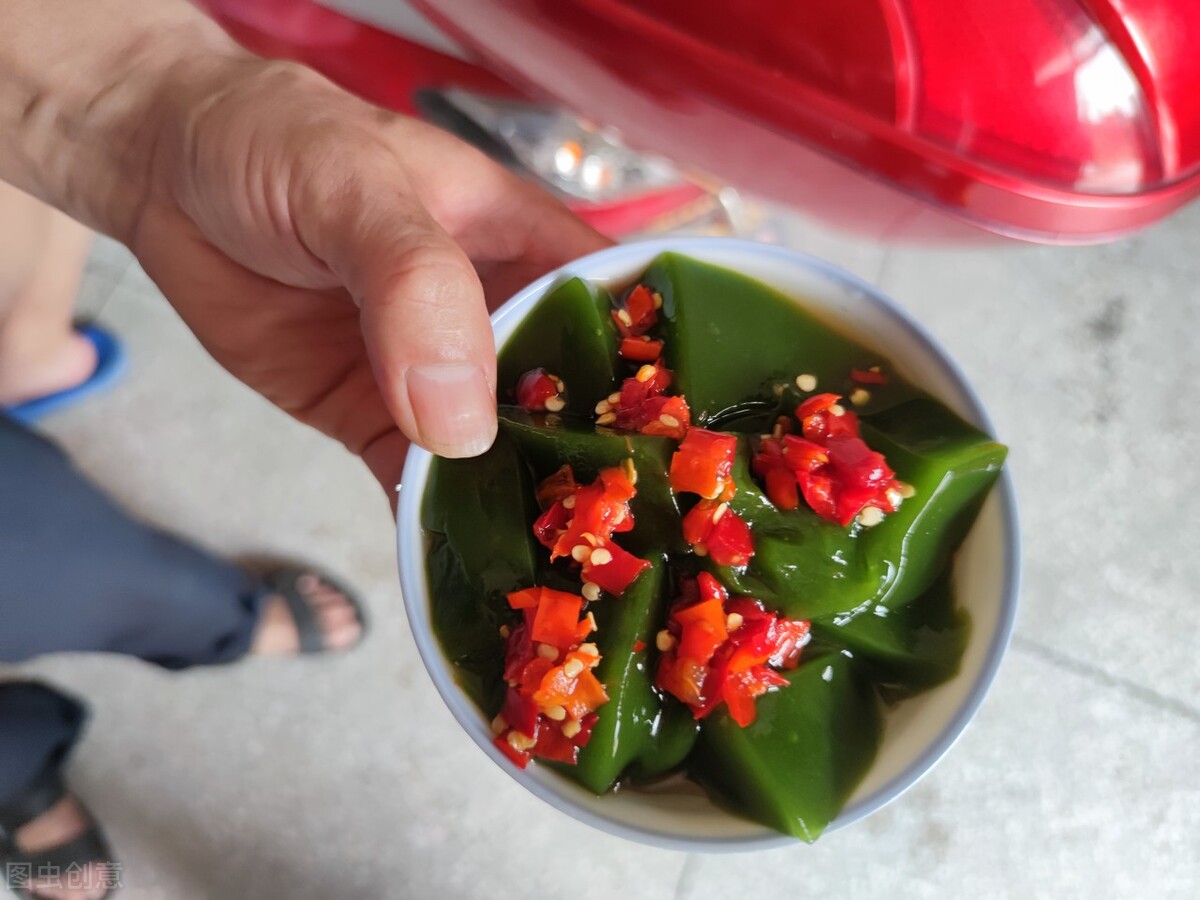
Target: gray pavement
<point>347,777</point>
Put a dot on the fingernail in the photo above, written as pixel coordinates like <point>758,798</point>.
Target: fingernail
<point>454,409</point>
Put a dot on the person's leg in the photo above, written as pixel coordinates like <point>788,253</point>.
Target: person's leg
<point>79,574</point>
<point>38,727</point>
<point>42,254</point>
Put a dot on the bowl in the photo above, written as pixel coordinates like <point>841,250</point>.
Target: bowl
<point>986,569</point>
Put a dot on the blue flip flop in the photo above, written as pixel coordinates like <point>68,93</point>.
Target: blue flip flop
<point>111,363</point>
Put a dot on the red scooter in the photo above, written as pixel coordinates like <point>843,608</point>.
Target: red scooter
<point>1061,121</point>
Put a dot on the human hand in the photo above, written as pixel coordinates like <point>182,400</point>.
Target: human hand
<point>336,258</point>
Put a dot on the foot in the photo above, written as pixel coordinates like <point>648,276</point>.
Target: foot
<point>29,375</point>
<point>277,635</point>
<point>63,822</point>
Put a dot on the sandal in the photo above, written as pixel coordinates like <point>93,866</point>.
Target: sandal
<point>63,862</point>
<point>285,581</point>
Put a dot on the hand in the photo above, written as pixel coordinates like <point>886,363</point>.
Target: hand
<point>336,258</point>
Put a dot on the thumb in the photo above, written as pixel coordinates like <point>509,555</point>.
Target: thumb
<point>424,323</point>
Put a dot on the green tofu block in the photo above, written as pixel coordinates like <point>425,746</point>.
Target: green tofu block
<point>471,568</point>
<point>550,442</point>
<point>635,728</point>
<point>794,767</point>
<point>808,567</point>
<point>570,334</point>
<point>907,650</point>
<point>731,339</point>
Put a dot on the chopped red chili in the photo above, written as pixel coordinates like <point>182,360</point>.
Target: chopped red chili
<point>703,464</point>
<point>724,650</point>
<point>640,349</point>
<point>867,376</point>
<point>638,314</point>
<point>539,391</point>
<point>836,472</point>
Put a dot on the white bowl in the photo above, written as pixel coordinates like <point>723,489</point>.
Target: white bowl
<point>986,569</point>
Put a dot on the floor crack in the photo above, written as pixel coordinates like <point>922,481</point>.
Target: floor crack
<point>1093,673</point>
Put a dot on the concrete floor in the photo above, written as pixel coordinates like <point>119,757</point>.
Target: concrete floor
<point>347,778</point>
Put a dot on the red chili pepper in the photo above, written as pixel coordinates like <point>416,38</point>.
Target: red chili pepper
<point>639,646</point>
<point>867,376</point>
<point>704,672</point>
<point>551,524</point>
<point>553,745</point>
<point>703,464</point>
<point>640,349</point>
<point>558,486</point>
<point>599,509</point>
<point>539,391</point>
<point>520,712</point>
<point>557,618</point>
<point>666,417</point>
<point>584,735</point>
<point>722,533</point>
<point>836,472</point>
<point>638,314</point>
<point>520,757</point>
<point>615,575</point>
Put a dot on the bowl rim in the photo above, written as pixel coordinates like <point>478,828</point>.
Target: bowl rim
<point>410,553</point>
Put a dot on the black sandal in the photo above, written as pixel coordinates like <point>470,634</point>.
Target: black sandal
<point>285,581</point>
<point>22,868</point>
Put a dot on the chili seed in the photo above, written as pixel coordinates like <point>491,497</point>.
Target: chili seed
<point>806,382</point>
<point>657,300</point>
<point>700,549</point>
<point>645,373</point>
<point>580,552</point>
<point>669,420</point>
<point>589,649</point>
<point>572,668</point>
<point>893,497</point>
<point>664,640</point>
<point>907,490</point>
<point>591,620</point>
<point>607,419</point>
<point>555,712</point>
<point>614,397</point>
<point>518,741</point>
<point>557,382</point>
<point>600,557</point>
<point>555,403</point>
<point>733,621</point>
<point>626,319</point>
<point>504,631</point>
<point>630,472</point>
<point>591,591</point>
<point>499,724</point>
<point>870,516</point>
<point>570,728</point>
<point>720,511</point>
<point>590,538</point>
<point>837,409</point>
<point>602,407</point>
<point>569,502</point>
<point>860,396</point>
<point>547,651</point>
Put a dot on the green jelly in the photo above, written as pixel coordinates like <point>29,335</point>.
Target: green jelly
<point>636,728</point>
<point>907,650</point>
<point>809,567</point>
<point>730,340</point>
<point>570,334</point>
<point>795,766</point>
<point>471,569</point>
<point>547,447</point>
<point>884,621</point>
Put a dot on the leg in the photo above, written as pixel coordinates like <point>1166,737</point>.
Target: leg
<point>81,575</point>
<point>38,727</point>
<point>42,253</point>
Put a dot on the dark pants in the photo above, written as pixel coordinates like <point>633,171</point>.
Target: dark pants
<point>76,573</point>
